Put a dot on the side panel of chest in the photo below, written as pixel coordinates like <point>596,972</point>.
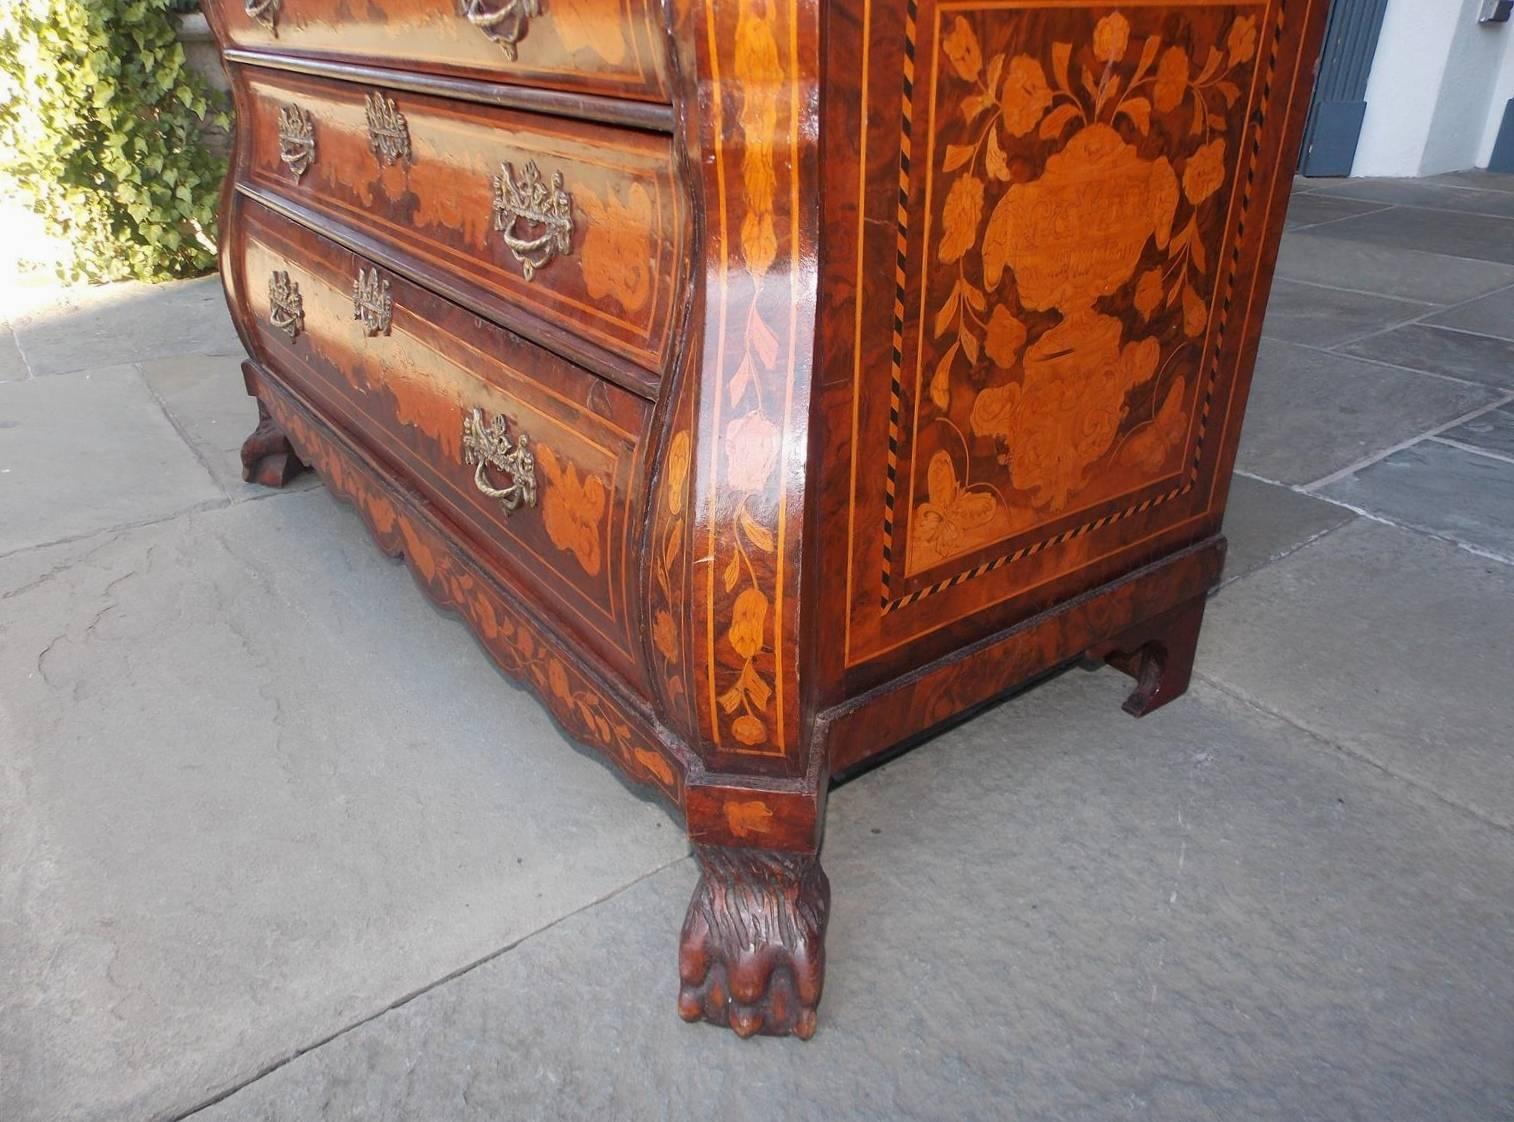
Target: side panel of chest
<point>1054,227</point>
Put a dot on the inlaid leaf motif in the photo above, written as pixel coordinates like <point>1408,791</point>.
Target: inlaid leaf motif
<point>1148,294</point>
<point>748,619</point>
<point>956,156</point>
<point>946,315</point>
<point>1195,311</point>
<point>1057,120</point>
<point>1242,40</point>
<point>996,242</point>
<point>758,534</point>
<point>995,162</point>
<point>1138,109</point>
<point>940,383</point>
<point>1061,57</point>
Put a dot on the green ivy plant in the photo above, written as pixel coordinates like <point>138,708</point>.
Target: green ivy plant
<point>100,121</point>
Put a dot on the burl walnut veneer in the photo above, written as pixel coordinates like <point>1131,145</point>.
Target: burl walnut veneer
<point>767,382</point>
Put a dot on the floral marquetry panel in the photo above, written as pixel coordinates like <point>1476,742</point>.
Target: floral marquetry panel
<point>1078,201</point>
<point>1069,256</point>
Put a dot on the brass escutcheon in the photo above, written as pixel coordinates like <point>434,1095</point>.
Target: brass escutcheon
<point>489,445</point>
<point>296,138</point>
<point>388,133</point>
<point>371,302</point>
<point>286,311</point>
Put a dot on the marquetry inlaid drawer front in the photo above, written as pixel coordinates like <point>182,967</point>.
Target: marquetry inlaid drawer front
<point>608,47</point>
<point>530,456</point>
<point>562,230</point>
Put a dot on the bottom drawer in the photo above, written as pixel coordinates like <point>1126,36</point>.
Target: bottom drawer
<point>533,459</point>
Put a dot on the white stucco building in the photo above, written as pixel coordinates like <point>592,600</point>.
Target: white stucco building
<point>1438,87</point>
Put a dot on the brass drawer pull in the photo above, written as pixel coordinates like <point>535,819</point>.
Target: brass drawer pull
<point>371,302</point>
<point>489,445</point>
<point>286,311</point>
<point>296,138</point>
<point>388,132</point>
<point>265,12</point>
<point>506,25</point>
<point>546,212</point>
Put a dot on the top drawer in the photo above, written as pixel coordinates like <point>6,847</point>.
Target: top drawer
<point>613,48</point>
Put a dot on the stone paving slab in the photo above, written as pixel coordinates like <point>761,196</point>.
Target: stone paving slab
<point>1422,193</point>
<point>206,401</point>
<point>1475,178</point>
<point>255,788</point>
<point>1325,256</point>
<point>1490,315</point>
<point>12,365</point>
<point>1311,209</point>
<point>1388,642</point>
<point>1465,496</point>
<point>1492,431</point>
<point>1052,912</point>
<point>1264,521</point>
<point>1314,412</point>
<point>1442,350</point>
<point>1324,317</point>
<point>1473,236</point>
<point>87,452</point>
<point>88,327</point>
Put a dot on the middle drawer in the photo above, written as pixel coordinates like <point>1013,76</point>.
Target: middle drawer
<point>562,230</point>
<point>444,399</point>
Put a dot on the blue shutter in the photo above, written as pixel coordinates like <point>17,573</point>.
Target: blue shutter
<point>1340,92</point>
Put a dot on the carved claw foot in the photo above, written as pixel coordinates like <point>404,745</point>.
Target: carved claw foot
<point>752,955</point>
<point>1158,655</point>
<point>267,456</point>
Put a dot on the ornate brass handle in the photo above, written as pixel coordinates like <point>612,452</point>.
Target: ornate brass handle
<point>265,12</point>
<point>506,25</point>
<point>489,445</point>
<point>296,138</point>
<point>286,310</point>
<point>535,221</point>
<point>372,303</point>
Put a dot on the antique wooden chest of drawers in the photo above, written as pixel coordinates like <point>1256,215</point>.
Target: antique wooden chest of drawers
<point>768,382</point>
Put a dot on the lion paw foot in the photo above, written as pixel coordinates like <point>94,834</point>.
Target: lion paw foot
<point>752,955</point>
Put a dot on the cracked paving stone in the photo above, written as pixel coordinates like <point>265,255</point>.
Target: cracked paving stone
<point>244,808</point>
<point>1313,412</point>
<point>90,326</point>
<point>1389,642</point>
<point>204,397</point>
<point>1050,912</point>
<point>86,452</point>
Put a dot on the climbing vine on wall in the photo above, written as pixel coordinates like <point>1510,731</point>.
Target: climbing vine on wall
<point>100,126</point>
